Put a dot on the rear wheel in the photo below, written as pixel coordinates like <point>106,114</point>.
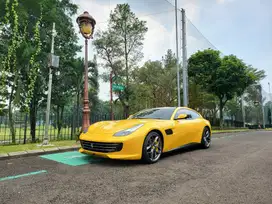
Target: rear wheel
<point>206,138</point>
<point>152,148</point>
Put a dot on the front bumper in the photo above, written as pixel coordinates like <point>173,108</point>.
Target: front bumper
<point>126,149</point>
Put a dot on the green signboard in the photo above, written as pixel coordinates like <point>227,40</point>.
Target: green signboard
<point>118,87</point>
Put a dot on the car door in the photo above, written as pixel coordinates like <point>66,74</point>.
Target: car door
<point>186,130</point>
<point>181,130</point>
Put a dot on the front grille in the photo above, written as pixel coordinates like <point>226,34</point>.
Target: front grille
<point>101,146</point>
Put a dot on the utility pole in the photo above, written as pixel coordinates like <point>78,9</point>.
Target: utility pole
<point>177,51</point>
<point>46,138</point>
<point>184,60</point>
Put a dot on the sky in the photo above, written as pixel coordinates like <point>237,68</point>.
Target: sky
<point>239,27</point>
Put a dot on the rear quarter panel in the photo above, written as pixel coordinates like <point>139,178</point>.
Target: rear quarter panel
<point>200,127</point>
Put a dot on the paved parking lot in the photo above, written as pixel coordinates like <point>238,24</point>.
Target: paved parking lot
<point>236,169</point>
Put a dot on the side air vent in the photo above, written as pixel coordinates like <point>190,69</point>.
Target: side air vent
<point>169,131</point>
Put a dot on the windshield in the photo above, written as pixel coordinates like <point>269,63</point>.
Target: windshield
<point>155,113</point>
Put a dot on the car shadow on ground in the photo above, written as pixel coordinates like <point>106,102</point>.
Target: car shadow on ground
<point>120,163</point>
<point>185,149</point>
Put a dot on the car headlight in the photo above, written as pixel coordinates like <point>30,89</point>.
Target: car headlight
<point>128,131</point>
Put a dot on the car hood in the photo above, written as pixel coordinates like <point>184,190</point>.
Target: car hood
<point>111,127</point>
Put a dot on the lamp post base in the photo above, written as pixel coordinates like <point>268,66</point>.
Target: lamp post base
<point>86,119</point>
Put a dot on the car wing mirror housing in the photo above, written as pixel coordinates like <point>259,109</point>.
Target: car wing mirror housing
<point>182,116</point>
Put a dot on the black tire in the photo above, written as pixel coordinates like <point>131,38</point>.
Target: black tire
<point>153,141</point>
<point>206,138</point>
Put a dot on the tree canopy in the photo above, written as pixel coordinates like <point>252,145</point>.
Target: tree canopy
<point>225,77</point>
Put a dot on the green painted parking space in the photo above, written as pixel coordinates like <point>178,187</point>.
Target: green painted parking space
<point>73,158</point>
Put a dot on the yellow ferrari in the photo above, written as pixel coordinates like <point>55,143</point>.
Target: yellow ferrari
<point>146,134</point>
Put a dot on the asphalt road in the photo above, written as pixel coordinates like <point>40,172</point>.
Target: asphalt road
<point>236,169</point>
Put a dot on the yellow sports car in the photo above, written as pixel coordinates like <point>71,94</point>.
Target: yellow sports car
<point>146,134</point>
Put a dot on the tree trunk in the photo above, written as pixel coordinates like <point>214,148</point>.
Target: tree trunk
<point>73,123</point>
<point>257,115</point>
<point>126,111</point>
<point>221,106</point>
<point>25,129</point>
<point>58,121</point>
<point>61,117</point>
<point>32,116</point>
<point>11,122</point>
<point>77,111</point>
<point>126,108</point>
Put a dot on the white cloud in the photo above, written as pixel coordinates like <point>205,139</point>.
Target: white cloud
<point>192,10</point>
<point>224,1</point>
<point>157,40</point>
<point>220,1</point>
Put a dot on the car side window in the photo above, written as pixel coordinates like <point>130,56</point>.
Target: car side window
<point>183,111</point>
<point>192,114</point>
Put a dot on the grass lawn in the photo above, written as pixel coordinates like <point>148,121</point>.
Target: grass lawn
<point>230,130</point>
<point>5,134</point>
<point>238,130</point>
<point>24,147</point>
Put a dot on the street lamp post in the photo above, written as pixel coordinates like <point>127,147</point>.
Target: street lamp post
<point>86,25</point>
<point>111,96</point>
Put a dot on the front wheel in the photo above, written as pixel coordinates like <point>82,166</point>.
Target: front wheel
<point>152,148</point>
<point>206,138</point>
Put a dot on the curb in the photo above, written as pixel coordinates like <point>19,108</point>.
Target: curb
<point>251,130</point>
<point>28,153</point>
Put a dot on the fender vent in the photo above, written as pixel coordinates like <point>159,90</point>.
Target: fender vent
<point>169,131</point>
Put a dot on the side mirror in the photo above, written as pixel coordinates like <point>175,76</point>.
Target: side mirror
<point>182,116</point>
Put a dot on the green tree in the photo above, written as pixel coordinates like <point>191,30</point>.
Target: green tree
<point>255,99</point>
<point>14,35</point>
<point>155,83</point>
<point>34,24</point>
<point>210,106</point>
<point>3,106</point>
<point>224,77</point>
<point>66,47</point>
<point>122,45</point>
<point>233,109</point>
